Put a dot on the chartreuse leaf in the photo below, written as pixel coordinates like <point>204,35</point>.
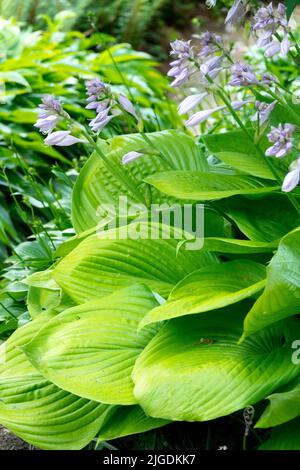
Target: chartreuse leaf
<point>127,420</point>
<point>195,371</point>
<point>204,186</point>
<point>236,246</point>
<point>90,349</point>
<point>35,409</point>
<point>237,150</point>
<point>102,263</point>
<point>264,219</point>
<point>210,288</point>
<point>283,406</point>
<point>97,185</point>
<point>281,297</point>
<point>290,7</point>
<point>284,437</point>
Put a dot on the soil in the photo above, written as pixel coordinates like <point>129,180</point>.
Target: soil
<point>9,441</point>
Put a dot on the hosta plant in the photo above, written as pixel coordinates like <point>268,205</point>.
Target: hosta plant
<point>144,319</point>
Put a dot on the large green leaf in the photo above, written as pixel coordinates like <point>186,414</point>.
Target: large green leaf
<point>237,150</point>
<point>195,371</point>
<point>265,218</point>
<point>108,261</point>
<point>128,420</point>
<point>284,437</point>
<point>90,349</point>
<point>97,185</point>
<point>204,186</point>
<point>236,246</point>
<point>284,406</point>
<point>35,409</point>
<point>210,288</point>
<point>281,297</point>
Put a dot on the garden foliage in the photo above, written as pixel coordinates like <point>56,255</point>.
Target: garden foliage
<point>128,333</point>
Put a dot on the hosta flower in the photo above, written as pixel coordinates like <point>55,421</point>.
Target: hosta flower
<point>268,79</point>
<point>209,43</point>
<point>95,90</point>
<point>236,13</point>
<point>263,111</point>
<point>181,66</point>
<point>292,178</point>
<point>242,75</point>
<point>212,67</point>
<point>100,99</point>
<point>127,105</point>
<point>131,156</point>
<point>281,137</point>
<point>190,102</point>
<point>49,115</point>
<point>201,116</point>
<point>61,139</point>
<point>270,21</point>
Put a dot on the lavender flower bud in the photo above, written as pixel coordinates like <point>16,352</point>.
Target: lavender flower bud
<point>180,67</point>
<point>209,44</point>
<point>292,178</point>
<point>270,22</point>
<point>190,102</point>
<point>272,48</point>
<point>127,105</point>
<point>50,114</point>
<point>281,137</point>
<point>242,75</point>
<point>201,116</point>
<point>263,111</point>
<point>131,156</point>
<point>236,13</point>
<point>268,79</point>
<point>61,139</point>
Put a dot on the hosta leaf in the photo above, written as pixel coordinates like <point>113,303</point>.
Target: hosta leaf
<point>283,406</point>
<point>236,246</point>
<point>265,219</point>
<point>195,370</point>
<point>204,186</point>
<point>99,266</point>
<point>210,288</point>
<point>281,297</point>
<point>238,150</point>
<point>284,437</point>
<point>35,409</point>
<point>91,349</point>
<point>128,420</point>
<point>97,185</point>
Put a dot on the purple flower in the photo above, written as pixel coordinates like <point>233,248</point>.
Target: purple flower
<point>50,114</point>
<point>268,79</point>
<point>242,75</point>
<point>292,178</point>
<point>281,137</point>
<point>263,111</point>
<point>100,99</point>
<point>61,139</point>
<point>201,116</point>
<point>209,44</point>
<point>212,67</point>
<point>190,102</point>
<point>270,22</point>
<point>127,105</point>
<point>236,13</point>
<point>180,67</point>
<point>131,156</point>
<point>95,90</point>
